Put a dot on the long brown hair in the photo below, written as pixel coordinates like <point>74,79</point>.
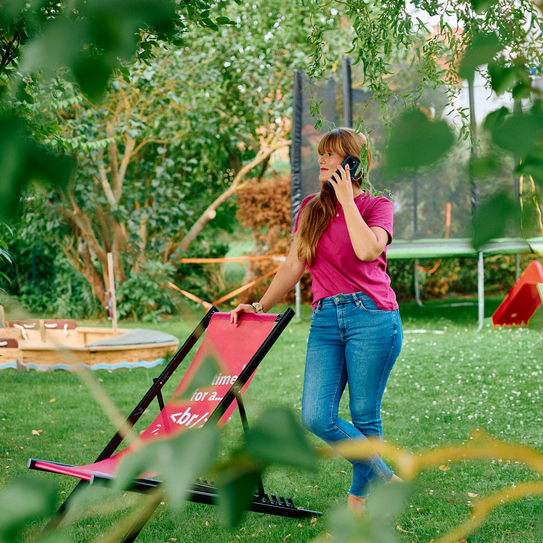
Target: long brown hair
<point>321,209</point>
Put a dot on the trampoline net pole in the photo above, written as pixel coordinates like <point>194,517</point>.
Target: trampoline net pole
<point>296,148</point>
<point>298,299</point>
<point>347,92</point>
<point>416,281</point>
<point>481,289</point>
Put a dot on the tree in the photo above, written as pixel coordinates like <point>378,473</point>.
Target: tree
<point>89,40</point>
<point>497,38</point>
<point>173,139</point>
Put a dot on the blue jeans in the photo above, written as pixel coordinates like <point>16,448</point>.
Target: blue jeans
<point>352,341</point>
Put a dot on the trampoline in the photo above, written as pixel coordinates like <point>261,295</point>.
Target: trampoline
<point>423,202</point>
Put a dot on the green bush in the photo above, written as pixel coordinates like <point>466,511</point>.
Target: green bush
<point>203,280</point>
<point>44,282</point>
<point>145,295</point>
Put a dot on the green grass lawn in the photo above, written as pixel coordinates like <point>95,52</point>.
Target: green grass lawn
<point>448,381</point>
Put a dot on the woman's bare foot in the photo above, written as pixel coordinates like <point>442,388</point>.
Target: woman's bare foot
<point>356,504</point>
<point>396,479</point>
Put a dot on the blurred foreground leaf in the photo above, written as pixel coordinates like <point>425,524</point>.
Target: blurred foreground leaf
<point>22,160</point>
<point>207,371</point>
<point>495,119</point>
<point>23,501</point>
<point>179,461</point>
<point>482,50</point>
<point>94,44</point>
<point>375,526</point>
<point>277,438</point>
<point>59,45</point>
<point>93,73</point>
<point>415,141</point>
<point>504,78</point>
<point>97,493</point>
<point>236,488</point>
<point>532,166</point>
<point>493,217</point>
<point>479,6</point>
<point>485,166</point>
<point>521,134</point>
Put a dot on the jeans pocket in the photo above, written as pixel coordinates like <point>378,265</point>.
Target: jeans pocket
<point>369,305</point>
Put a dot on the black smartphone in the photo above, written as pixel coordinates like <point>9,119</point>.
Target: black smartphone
<point>353,166</point>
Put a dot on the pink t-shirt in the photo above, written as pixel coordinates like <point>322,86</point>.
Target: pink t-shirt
<point>337,269</point>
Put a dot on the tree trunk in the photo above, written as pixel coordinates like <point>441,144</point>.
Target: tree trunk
<point>90,273</point>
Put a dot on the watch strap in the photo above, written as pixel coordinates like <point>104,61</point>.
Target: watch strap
<point>258,307</point>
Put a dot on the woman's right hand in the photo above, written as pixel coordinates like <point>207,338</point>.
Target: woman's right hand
<point>241,308</point>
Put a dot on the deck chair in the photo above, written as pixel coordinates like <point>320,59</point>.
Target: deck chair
<point>240,351</point>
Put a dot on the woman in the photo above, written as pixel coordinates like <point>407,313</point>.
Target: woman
<point>355,337</point>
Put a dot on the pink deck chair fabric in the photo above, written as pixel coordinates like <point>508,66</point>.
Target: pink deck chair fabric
<point>232,348</point>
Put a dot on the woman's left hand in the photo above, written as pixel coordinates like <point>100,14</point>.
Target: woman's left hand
<point>343,185</point>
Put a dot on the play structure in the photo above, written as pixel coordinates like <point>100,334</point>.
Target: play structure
<point>237,352</point>
<point>523,300</point>
<point>432,213</point>
<point>52,344</point>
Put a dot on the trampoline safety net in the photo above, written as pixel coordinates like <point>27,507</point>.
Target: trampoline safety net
<point>432,204</point>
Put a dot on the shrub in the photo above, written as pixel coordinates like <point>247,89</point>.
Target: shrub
<point>203,280</point>
<point>264,206</point>
<point>145,295</point>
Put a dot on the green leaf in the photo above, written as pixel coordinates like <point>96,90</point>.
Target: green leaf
<point>236,490</point>
<point>23,161</point>
<point>93,74</point>
<point>495,119</point>
<point>22,95</point>
<point>531,166</point>
<point>59,45</point>
<point>207,371</point>
<point>387,501</point>
<point>479,6</point>
<point>520,133</point>
<point>376,525</point>
<point>522,91</point>
<point>179,461</point>
<point>493,217</point>
<point>482,50</point>
<point>224,21</point>
<point>99,491</point>
<point>278,438</point>
<point>24,501</point>
<point>484,166</point>
<point>502,79</point>
<point>416,141</point>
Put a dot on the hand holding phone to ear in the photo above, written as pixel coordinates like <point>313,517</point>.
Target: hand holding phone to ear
<point>353,164</point>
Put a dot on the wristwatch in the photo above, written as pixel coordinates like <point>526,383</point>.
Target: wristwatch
<point>258,307</point>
